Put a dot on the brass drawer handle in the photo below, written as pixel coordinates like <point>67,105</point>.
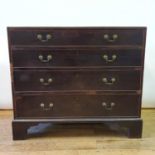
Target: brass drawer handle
<point>47,59</point>
<point>44,39</point>
<point>108,106</point>
<point>106,58</point>
<point>110,81</point>
<point>49,81</point>
<point>112,38</point>
<point>49,107</point>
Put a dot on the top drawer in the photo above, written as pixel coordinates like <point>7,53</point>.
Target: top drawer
<point>76,36</point>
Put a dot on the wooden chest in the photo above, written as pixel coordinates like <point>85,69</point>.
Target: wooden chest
<point>77,75</point>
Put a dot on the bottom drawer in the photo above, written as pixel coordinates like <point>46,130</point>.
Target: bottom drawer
<point>71,106</point>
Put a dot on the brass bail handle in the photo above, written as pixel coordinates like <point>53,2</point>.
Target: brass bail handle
<point>44,82</point>
<point>110,81</point>
<point>45,38</point>
<point>107,59</point>
<point>108,106</point>
<point>48,58</point>
<point>109,38</point>
<point>46,108</point>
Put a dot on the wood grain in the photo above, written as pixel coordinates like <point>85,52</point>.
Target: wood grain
<point>78,139</point>
<point>76,71</point>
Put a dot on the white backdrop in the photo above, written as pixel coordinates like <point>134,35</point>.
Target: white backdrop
<point>78,13</point>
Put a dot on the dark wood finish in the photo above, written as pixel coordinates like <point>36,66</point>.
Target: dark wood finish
<point>135,129</point>
<point>78,106</point>
<point>29,80</point>
<point>77,36</point>
<point>76,58</point>
<point>77,75</point>
<point>132,126</point>
<point>19,130</point>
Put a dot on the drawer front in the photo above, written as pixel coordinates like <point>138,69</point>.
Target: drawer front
<point>46,80</point>
<point>42,106</point>
<point>76,58</point>
<point>76,36</point>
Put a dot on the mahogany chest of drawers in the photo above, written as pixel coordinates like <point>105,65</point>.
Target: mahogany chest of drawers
<point>77,75</point>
